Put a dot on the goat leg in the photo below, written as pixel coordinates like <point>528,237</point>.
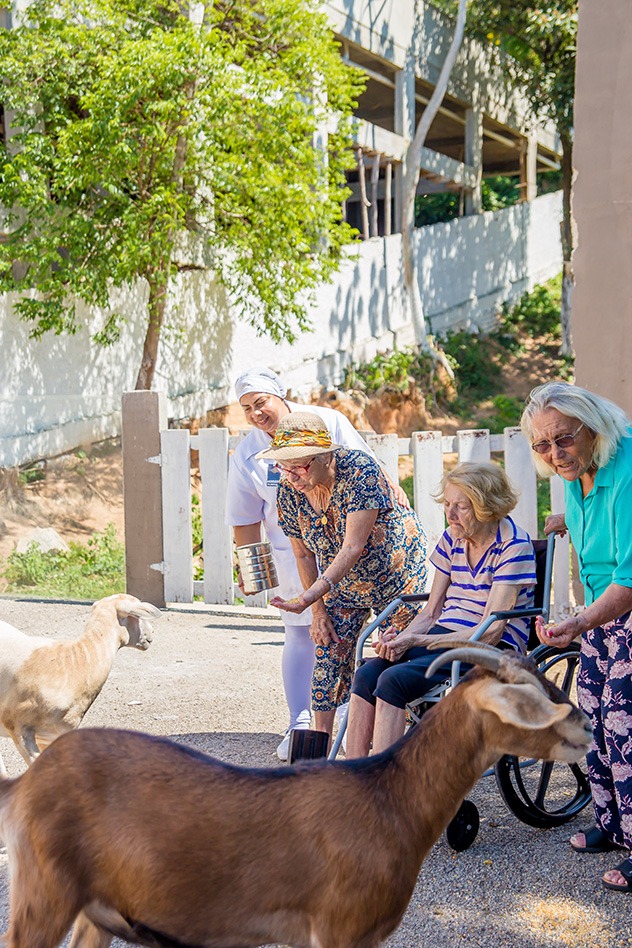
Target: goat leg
<point>22,739</point>
<point>86,934</point>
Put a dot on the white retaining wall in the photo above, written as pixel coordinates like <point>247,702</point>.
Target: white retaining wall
<point>60,392</point>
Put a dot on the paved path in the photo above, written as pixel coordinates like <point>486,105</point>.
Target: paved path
<point>214,682</point>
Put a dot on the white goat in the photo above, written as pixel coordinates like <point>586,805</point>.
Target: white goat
<point>138,837</point>
<point>47,685</point>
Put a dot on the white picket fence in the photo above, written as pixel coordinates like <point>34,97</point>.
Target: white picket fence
<point>428,450</point>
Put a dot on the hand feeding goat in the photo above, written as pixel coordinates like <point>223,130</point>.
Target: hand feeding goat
<point>171,848</point>
<point>47,685</point>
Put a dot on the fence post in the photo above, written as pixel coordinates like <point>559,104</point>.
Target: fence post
<point>175,451</point>
<point>474,444</point>
<point>218,546</point>
<point>386,450</point>
<point>521,472</point>
<point>427,451</point>
<point>144,414</point>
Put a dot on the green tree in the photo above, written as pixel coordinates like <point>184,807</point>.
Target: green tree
<point>153,136</point>
<point>540,36</point>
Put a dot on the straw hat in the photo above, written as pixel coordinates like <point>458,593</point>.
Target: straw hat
<point>301,434</point>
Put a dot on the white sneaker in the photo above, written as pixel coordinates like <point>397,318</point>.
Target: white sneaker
<point>284,747</point>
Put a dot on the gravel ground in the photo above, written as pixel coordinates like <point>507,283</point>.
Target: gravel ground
<point>213,681</point>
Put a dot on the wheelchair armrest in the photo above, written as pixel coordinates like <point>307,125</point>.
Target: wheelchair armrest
<point>517,613</point>
<point>415,597</point>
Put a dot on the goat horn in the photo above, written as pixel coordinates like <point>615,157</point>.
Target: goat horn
<point>508,666</point>
<point>460,643</point>
<point>487,656</point>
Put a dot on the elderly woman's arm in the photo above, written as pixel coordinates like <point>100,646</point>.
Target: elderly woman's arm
<point>358,529</point>
<point>321,629</point>
<point>614,602</point>
<point>503,596</point>
<point>392,644</point>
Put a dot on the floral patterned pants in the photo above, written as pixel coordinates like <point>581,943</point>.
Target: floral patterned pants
<point>335,663</point>
<point>604,691</point>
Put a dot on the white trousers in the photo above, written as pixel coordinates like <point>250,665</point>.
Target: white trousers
<point>297,668</point>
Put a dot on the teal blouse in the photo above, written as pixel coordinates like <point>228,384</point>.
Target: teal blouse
<point>600,524</point>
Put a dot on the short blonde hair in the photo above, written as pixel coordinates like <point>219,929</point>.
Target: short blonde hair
<point>603,418</point>
<point>487,487</point>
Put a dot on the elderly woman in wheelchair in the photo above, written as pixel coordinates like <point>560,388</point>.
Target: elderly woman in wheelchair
<point>484,563</point>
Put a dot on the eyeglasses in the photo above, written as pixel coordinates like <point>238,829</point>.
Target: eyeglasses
<point>299,470</point>
<point>564,441</point>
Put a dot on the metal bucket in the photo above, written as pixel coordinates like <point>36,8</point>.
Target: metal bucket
<point>257,567</point>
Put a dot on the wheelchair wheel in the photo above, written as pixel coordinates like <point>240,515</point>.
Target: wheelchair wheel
<point>546,793</point>
<point>462,829</point>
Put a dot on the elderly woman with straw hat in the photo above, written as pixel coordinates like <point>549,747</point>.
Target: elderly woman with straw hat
<point>251,505</point>
<point>356,547</point>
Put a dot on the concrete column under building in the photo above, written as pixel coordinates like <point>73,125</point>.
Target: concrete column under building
<point>474,157</point>
<point>602,301</point>
<point>404,126</point>
<point>529,169</point>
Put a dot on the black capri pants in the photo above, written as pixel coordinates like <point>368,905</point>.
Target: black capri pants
<point>399,682</point>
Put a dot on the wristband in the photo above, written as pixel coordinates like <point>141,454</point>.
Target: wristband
<point>329,582</point>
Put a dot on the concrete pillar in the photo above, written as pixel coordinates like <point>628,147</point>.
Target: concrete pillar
<point>529,169</point>
<point>404,126</point>
<point>473,156</point>
<point>144,416</point>
<point>602,201</point>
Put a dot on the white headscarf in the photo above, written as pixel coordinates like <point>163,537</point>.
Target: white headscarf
<point>259,379</point>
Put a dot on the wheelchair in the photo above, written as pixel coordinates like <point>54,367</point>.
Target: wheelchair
<point>539,793</point>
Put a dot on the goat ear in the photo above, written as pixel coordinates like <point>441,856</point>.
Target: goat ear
<point>139,610</point>
<point>522,705</point>
<point>145,610</point>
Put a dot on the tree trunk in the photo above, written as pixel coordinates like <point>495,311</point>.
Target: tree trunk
<point>158,283</point>
<point>568,244</point>
<point>413,163</point>
<point>158,280</point>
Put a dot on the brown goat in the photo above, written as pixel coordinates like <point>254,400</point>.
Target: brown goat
<point>139,837</point>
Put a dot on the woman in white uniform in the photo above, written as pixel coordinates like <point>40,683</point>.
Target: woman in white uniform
<point>252,501</point>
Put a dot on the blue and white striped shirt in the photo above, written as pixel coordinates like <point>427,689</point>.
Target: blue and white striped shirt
<point>509,560</point>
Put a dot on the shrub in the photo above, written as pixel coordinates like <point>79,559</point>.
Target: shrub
<point>536,313</point>
<point>507,412</point>
<point>471,356</point>
<point>85,571</point>
<point>396,370</point>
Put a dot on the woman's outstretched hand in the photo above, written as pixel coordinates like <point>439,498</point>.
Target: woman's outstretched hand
<point>559,635</point>
<point>295,605</point>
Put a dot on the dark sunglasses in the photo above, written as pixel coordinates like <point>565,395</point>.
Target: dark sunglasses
<point>564,441</point>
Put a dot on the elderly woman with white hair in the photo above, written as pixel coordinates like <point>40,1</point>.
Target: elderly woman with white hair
<point>585,438</point>
<point>252,503</point>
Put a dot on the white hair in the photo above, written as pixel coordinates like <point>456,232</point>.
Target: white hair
<point>606,420</point>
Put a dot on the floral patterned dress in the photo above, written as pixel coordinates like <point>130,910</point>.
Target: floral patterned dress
<point>392,563</point>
